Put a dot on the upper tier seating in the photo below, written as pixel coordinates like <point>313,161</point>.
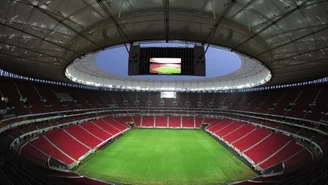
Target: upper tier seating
<point>308,102</point>
<point>34,100</point>
<point>48,95</point>
<point>9,90</point>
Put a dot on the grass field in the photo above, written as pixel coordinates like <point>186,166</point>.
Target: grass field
<point>168,70</point>
<point>160,156</point>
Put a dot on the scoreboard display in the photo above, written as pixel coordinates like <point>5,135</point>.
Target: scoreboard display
<point>166,66</point>
<point>168,95</point>
<point>167,61</point>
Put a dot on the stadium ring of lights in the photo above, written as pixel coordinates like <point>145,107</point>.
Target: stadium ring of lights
<point>84,71</point>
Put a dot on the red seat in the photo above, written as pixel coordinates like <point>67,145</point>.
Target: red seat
<point>147,121</point>
<point>188,122</point>
<point>107,127</point>
<point>301,159</point>
<point>28,151</point>
<point>239,133</point>
<point>267,147</point>
<point>45,146</point>
<point>175,121</point>
<point>228,129</point>
<point>89,126</point>
<point>289,150</point>
<point>66,143</point>
<point>137,120</point>
<point>119,126</point>
<point>83,136</point>
<point>198,122</point>
<point>251,139</point>
<point>161,121</point>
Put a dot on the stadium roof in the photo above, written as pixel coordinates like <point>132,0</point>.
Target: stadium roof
<point>249,73</point>
<point>40,38</point>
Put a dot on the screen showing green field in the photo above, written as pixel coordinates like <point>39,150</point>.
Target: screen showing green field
<point>166,66</point>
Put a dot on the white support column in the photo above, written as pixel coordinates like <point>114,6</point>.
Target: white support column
<point>194,121</point>
<point>141,120</point>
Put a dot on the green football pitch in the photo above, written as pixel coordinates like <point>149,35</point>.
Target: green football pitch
<point>161,156</point>
<point>168,70</point>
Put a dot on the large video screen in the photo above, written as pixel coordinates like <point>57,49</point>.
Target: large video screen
<point>166,66</point>
<point>168,94</point>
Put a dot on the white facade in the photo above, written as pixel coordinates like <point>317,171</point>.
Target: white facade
<point>85,71</point>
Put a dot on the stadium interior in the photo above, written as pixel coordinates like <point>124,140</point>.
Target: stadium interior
<point>68,119</point>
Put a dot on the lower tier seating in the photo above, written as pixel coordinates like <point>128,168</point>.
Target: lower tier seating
<point>213,126</point>
<point>46,147</point>
<point>251,139</point>
<point>147,121</point>
<point>299,160</point>
<point>175,121</point>
<point>83,136</point>
<point>137,120</point>
<point>228,129</point>
<point>234,136</point>
<point>267,147</point>
<point>222,125</point>
<point>168,121</point>
<point>198,122</point>
<point>83,181</point>
<point>188,122</point>
<point>263,148</point>
<point>290,149</point>
<point>161,121</point>
<point>118,125</point>
<point>106,127</point>
<point>35,155</point>
<point>124,120</point>
<point>67,143</point>
<point>95,130</point>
